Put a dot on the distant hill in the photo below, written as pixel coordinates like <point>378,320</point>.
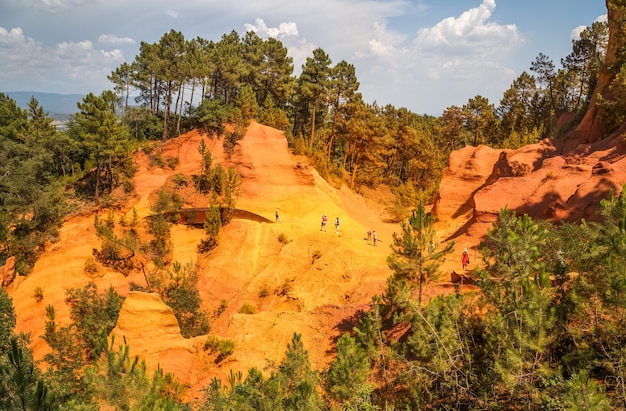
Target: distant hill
<point>59,106</point>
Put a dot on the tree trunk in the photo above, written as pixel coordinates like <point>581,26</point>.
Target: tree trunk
<point>97,191</point>
<point>312,127</point>
<point>180,98</point>
<point>332,135</point>
<point>166,111</point>
<point>356,165</point>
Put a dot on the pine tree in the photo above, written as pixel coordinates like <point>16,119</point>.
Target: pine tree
<point>299,381</point>
<point>416,256</point>
<point>519,302</point>
<point>347,380</point>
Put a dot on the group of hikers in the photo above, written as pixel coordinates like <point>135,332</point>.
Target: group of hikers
<point>372,236</point>
<point>325,220</point>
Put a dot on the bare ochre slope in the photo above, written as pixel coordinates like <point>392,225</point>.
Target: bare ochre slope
<point>291,274</point>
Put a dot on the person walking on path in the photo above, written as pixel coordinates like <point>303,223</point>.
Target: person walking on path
<point>337,225</point>
<point>277,217</point>
<point>369,235</point>
<point>324,219</point>
<point>375,237</point>
<point>465,260</point>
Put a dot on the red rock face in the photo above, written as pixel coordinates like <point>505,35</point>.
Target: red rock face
<point>7,272</point>
<point>547,180</point>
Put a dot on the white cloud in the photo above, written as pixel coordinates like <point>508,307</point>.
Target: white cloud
<point>575,34</point>
<point>114,39</point>
<point>60,5</point>
<point>471,30</point>
<point>172,13</point>
<point>12,37</point>
<point>283,30</point>
<point>49,68</point>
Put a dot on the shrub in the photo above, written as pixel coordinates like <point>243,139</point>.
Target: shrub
<point>38,294</point>
<point>177,288</point>
<point>247,309</point>
<point>285,288</point>
<point>219,310</point>
<point>223,348</point>
<point>180,180</point>
<point>172,162</point>
<point>226,348</point>
<point>91,267</point>
<point>282,238</point>
<point>316,255</point>
<point>264,291</point>
<point>206,245</point>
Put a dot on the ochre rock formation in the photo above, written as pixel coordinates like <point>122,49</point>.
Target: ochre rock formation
<point>7,272</point>
<point>540,180</point>
<point>151,331</point>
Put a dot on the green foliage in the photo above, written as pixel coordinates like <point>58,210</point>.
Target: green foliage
<point>416,255</point>
<point>298,380</point>
<point>167,201</point>
<point>222,347</point>
<point>103,138</point>
<point>247,309</point>
<point>21,386</point>
<point>212,226</point>
<point>231,139</point>
<point>92,313</point>
<point>443,350</point>
<point>122,382</point>
<point>517,289</point>
<point>114,252</point>
<point>293,385</point>
<point>75,345</point>
<point>160,245</point>
<point>33,163</point>
<point>7,320</point>
<point>347,379</point>
<point>221,308</point>
<point>583,393</point>
<point>210,117</point>
<point>614,107</point>
<point>38,294</point>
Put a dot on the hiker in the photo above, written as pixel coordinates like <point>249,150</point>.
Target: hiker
<point>375,237</point>
<point>277,217</point>
<point>465,258</point>
<point>337,225</point>
<point>369,235</point>
<point>324,219</point>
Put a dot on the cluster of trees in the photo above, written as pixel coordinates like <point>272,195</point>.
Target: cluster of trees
<point>325,116</point>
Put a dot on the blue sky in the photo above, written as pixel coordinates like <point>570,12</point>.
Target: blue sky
<point>425,55</point>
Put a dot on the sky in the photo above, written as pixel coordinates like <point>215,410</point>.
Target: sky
<point>424,55</point>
